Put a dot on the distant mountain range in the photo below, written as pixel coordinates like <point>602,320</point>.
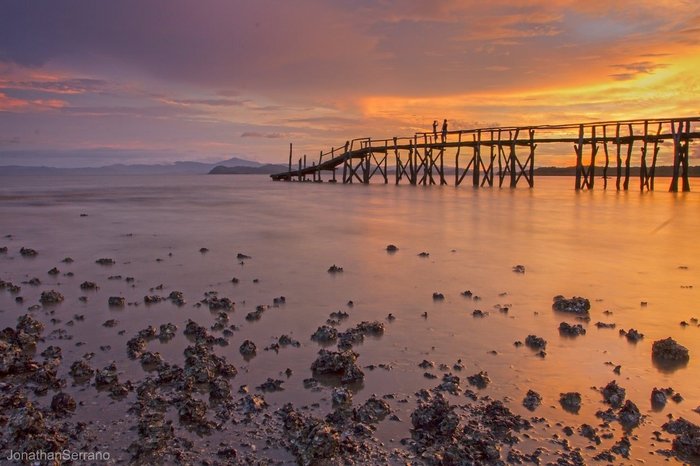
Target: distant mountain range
<point>177,168</point>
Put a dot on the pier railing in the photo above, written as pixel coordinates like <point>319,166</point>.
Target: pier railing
<point>506,154</point>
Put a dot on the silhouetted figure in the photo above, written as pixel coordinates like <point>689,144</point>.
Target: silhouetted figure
<point>435,129</point>
<point>444,130</point>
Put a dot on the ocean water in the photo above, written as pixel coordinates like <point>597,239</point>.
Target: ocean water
<point>619,249</point>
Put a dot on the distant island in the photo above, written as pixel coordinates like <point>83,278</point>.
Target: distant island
<point>266,169</point>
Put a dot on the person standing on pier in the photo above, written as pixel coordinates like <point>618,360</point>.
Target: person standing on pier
<point>444,130</point>
<point>435,123</point>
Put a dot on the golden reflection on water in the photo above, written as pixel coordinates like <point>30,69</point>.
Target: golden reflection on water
<point>615,248</point>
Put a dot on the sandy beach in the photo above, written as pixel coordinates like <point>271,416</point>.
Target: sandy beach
<point>238,321</point>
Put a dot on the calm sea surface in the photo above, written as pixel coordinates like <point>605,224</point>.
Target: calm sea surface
<point>618,249</point>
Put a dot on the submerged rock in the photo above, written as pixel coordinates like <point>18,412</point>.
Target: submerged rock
<point>535,342</point>
<point>632,335</point>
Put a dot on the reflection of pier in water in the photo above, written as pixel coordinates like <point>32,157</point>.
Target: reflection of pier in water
<point>508,153</point>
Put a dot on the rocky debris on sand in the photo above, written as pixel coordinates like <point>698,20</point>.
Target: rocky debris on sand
<point>391,248</point>
<point>253,403</point>
<point>52,352</point>
<point>576,305</point>
<point>286,340</point>
<point>687,441</point>
<point>88,286</point>
<point>341,363</point>
<point>535,342</point>
<point>247,348</point>
<point>629,415</point>
<point>313,441</point>
<point>479,380</point>
<point>519,268</point>
<point>669,350</point>
<point>372,411</point>
<point>167,332</point>
<point>135,347</point>
<point>632,335</point>
<point>193,413</point>
<point>334,269</point>
<point>81,370</point>
<point>200,335</point>
<point>613,394</point>
<point>438,438</point>
<point>62,403</point>
<point>325,334</point>
<point>105,261</point>
<point>219,389</point>
<point>450,383</point>
<point>116,301</point>
<point>177,297</point>
<point>50,297</point>
<point>28,252</point>
<point>571,330</point>
<point>202,365</point>
<point>570,401</point>
<point>532,400</point>
<point>151,360</point>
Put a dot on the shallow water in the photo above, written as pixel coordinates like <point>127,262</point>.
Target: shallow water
<point>616,248</point>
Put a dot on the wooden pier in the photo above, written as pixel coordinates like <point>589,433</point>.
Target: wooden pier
<point>507,155</point>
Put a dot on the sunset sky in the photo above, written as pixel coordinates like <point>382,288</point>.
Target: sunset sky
<point>86,83</point>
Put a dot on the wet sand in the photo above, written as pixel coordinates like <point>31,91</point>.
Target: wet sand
<point>235,340</point>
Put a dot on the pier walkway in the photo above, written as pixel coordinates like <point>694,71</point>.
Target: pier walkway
<point>487,156</point>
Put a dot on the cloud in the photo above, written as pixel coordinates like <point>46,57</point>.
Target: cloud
<point>257,134</point>
<point>12,104</point>
<point>631,70</point>
<point>58,86</point>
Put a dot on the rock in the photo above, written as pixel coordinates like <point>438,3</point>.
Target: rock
<point>372,411</point>
<point>54,271</point>
<point>605,325</point>
<point>613,394</point>
<point>632,335</point>
<point>116,301</point>
<point>28,252</point>
<point>658,398</point>
<point>88,286</point>
<point>341,397</point>
<point>217,304</point>
<point>67,260</point>
<point>669,350</point>
<point>334,269</point>
<point>687,441</point>
<point>450,383</point>
<point>177,297</point>
<point>167,332</point>
<point>391,248</point>
<point>519,268</point>
<point>576,305</point>
<point>247,348</point>
<point>152,299</point>
<point>62,403</point>
<point>341,363</point>
<point>424,254</point>
<point>325,334</point>
<point>107,376</point>
<point>479,380</point>
<point>532,400</point>
<point>240,256</point>
<point>571,330</point>
<point>271,385</point>
<point>629,415</point>
<point>50,297</point>
<point>435,417</point>
<point>253,404</point>
<point>105,261</point>
<point>81,370</point>
<point>570,401</point>
<point>535,342</point>
<point>438,296</point>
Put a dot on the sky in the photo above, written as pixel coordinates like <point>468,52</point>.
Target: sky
<point>86,83</point>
